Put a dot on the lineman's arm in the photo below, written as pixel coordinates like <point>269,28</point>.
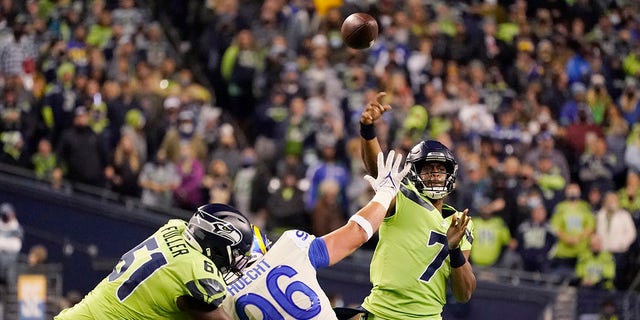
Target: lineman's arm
<point>370,147</point>
<point>198,310</point>
<point>463,281</point>
<point>345,240</point>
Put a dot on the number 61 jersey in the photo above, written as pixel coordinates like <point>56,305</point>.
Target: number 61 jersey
<point>150,277</point>
<point>282,284</point>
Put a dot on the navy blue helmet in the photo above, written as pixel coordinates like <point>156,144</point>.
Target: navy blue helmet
<point>432,151</point>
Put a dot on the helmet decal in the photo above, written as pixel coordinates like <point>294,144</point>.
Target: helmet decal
<point>219,227</point>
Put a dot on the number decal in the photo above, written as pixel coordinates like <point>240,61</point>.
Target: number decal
<point>301,234</point>
<point>284,299</point>
<point>436,263</point>
<point>267,309</point>
<point>154,261</point>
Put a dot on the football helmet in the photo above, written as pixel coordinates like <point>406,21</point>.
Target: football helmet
<point>224,235</point>
<point>432,151</point>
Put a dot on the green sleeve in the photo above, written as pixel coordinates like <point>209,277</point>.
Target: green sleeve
<point>551,181</point>
<point>228,60</point>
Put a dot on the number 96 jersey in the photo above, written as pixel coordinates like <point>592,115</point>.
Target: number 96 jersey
<point>283,284</point>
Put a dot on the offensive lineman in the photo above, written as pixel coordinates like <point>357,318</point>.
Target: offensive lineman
<point>179,272</point>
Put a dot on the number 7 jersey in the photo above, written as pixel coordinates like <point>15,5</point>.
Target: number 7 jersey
<point>410,268</point>
<point>150,277</point>
<point>283,283</point>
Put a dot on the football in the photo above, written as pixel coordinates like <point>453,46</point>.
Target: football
<point>359,30</point>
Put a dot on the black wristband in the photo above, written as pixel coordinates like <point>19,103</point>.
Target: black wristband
<point>367,131</point>
<point>457,258</point>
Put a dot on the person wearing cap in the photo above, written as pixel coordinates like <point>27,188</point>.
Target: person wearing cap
<point>10,243</point>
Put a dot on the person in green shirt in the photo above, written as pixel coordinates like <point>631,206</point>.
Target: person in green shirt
<point>179,272</point>
<point>424,244</point>
<point>491,235</point>
<point>596,268</point>
<point>573,222</point>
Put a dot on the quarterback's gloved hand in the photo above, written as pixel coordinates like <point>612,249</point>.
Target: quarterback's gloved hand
<point>387,184</point>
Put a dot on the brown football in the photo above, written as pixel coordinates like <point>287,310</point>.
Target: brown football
<point>359,30</point>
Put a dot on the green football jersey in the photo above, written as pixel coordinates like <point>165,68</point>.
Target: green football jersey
<point>148,279</point>
<point>411,267</point>
<point>572,220</point>
<point>490,236</point>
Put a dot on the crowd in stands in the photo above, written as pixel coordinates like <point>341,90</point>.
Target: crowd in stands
<point>541,105</point>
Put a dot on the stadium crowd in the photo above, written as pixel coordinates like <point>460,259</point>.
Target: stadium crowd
<point>539,100</point>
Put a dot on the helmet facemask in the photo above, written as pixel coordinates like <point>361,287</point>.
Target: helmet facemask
<point>432,152</point>
<point>432,188</point>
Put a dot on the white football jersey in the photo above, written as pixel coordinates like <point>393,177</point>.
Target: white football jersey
<point>283,284</point>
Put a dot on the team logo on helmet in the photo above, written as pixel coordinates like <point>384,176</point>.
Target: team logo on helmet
<point>220,228</point>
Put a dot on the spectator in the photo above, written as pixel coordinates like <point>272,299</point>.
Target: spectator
<point>37,255</point>
<point>80,152</point>
<point>286,206</point>
<point>617,231</point>
<point>576,133</point>
<point>184,133</point>
<point>632,152</point>
<point>574,223</point>
<point>124,168</point>
<point>217,183</point>
<point>228,149</point>
<point>598,98</point>
<point>44,161</point>
<point>597,166</point>
<point>187,195</point>
<point>629,194</point>
<point>130,17</point>
<point>10,244</point>
<point>596,267</point>
<point>535,238</point>
<point>327,169</point>
<point>13,149</point>
<point>327,214</point>
<point>242,182</point>
<point>549,180</point>
<point>546,146</point>
<point>491,237</point>
<point>629,102</point>
<point>240,67</point>
<point>158,180</point>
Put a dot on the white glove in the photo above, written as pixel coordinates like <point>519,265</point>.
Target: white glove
<point>387,184</point>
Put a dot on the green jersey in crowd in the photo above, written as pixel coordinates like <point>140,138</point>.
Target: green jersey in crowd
<point>147,281</point>
<point>573,219</point>
<point>491,236</point>
<point>596,269</point>
<point>410,269</point>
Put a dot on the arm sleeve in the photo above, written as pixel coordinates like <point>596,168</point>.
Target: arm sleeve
<point>318,253</point>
